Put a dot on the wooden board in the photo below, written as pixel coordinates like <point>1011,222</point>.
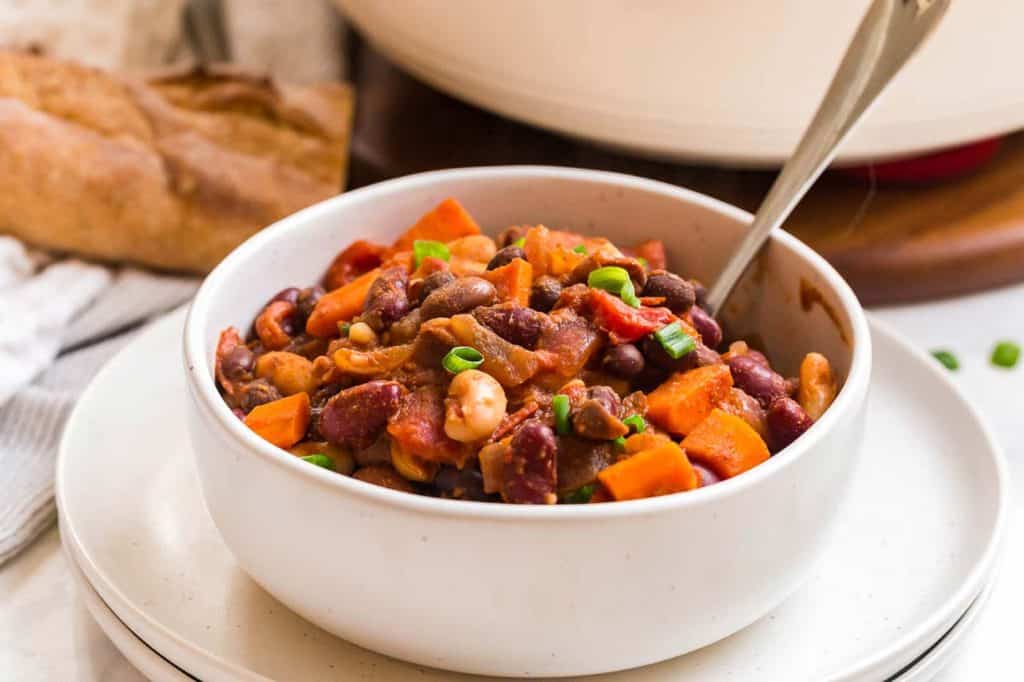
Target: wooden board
<point>893,244</point>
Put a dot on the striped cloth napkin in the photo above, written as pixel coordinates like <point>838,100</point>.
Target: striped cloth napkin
<point>60,321</point>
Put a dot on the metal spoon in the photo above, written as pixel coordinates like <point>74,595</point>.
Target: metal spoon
<point>889,34</point>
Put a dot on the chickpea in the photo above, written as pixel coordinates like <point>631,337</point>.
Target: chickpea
<point>475,406</point>
<point>817,386</point>
<point>476,247</point>
<point>410,466</point>
<point>361,334</point>
<point>288,372</point>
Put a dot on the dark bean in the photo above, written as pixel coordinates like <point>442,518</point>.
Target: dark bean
<point>386,302</point>
<point>307,300</point>
<point>256,393</point>
<point>510,235</point>
<point>762,382</point>
<point>461,484</point>
<point>758,356</point>
<point>356,416</point>
<point>624,360</point>
<point>238,363</point>
<point>786,421</point>
<point>544,294</point>
<point>521,326</point>
<point>700,293</point>
<point>704,356</point>
<point>238,413</point>
<point>434,280</point>
<point>530,473</point>
<point>582,271</point>
<point>607,397</point>
<point>677,292</point>
<point>458,296</point>
<point>655,355</point>
<point>405,329</point>
<point>290,294</point>
<point>707,476</point>
<point>506,256</point>
<point>709,330</point>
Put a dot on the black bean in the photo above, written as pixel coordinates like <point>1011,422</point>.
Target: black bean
<point>624,360</point>
<point>386,302</point>
<point>786,421</point>
<point>355,417</point>
<point>434,280</point>
<point>461,484</point>
<point>677,292</point>
<point>530,473</point>
<point>521,326</point>
<point>544,294</point>
<point>458,296</point>
<point>709,330</point>
<point>506,256</point>
<point>762,382</point>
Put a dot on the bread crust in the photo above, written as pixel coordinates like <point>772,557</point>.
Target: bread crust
<point>171,171</point>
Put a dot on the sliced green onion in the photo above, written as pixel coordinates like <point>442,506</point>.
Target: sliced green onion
<point>521,242</point>
<point>343,328</point>
<point>560,406</point>
<point>620,442</point>
<point>422,248</point>
<point>581,495</point>
<point>675,341</point>
<point>642,261</point>
<point>628,295</point>
<point>947,359</point>
<point>636,422</point>
<point>320,461</point>
<point>580,249</point>
<point>1005,354</point>
<point>461,358</point>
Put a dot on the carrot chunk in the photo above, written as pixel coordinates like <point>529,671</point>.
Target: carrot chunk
<point>446,222</point>
<point>340,305</point>
<point>687,398</point>
<point>725,444</point>
<point>660,470</point>
<point>512,281</point>
<point>281,422</point>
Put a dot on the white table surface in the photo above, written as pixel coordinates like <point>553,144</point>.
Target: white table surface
<point>46,633</point>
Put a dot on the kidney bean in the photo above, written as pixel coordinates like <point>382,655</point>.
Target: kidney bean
<point>786,421</point>
<point>624,360</point>
<point>700,293</point>
<point>434,281</point>
<point>289,295</point>
<point>238,363</point>
<point>708,328</point>
<point>707,476</point>
<point>544,294</point>
<point>510,235</point>
<point>355,417</point>
<point>506,256</point>
<point>257,393</point>
<point>386,302</point>
<point>304,304</point>
<point>530,472</point>
<point>464,484</point>
<point>521,326</point>
<point>678,293</point>
<point>458,296</point>
<point>756,379</point>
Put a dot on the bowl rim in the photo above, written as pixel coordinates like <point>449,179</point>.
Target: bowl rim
<point>205,396</point>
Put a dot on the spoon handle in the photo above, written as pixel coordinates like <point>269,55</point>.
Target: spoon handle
<point>889,34</point>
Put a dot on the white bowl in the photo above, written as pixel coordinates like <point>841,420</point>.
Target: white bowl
<point>519,590</point>
<point>733,82</point>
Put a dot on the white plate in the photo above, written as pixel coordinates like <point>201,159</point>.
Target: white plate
<point>732,82</point>
<point>159,669</point>
<point>148,662</point>
<point>913,549</point>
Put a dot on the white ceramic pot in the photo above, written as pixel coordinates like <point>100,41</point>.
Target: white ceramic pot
<point>519,590</point>
<point>732,82</point>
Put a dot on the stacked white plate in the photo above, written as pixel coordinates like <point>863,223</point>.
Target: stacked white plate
<point>894,597</point>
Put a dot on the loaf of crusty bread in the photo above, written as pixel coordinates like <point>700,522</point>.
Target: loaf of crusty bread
<point>172,172</point>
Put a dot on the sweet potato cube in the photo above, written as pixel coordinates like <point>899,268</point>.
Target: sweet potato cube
<point>513,281</point>
<point>282,422</point>
<point>686,398</point>
<point>340,305</point>
<point>660,470</point>
<point>726,444</point>
<point>446,222</point>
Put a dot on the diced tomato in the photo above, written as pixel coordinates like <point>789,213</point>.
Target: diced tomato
<point>623,323</point>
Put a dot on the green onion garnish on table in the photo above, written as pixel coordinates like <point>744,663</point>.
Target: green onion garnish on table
<point>947,359</point>
<point>675,341</point>
<point>614,280</point>
<point>320,461</point>
<point>422,248</point>
<point>560,406</point>
<point>1005,354</point>
<point>461,358</point>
